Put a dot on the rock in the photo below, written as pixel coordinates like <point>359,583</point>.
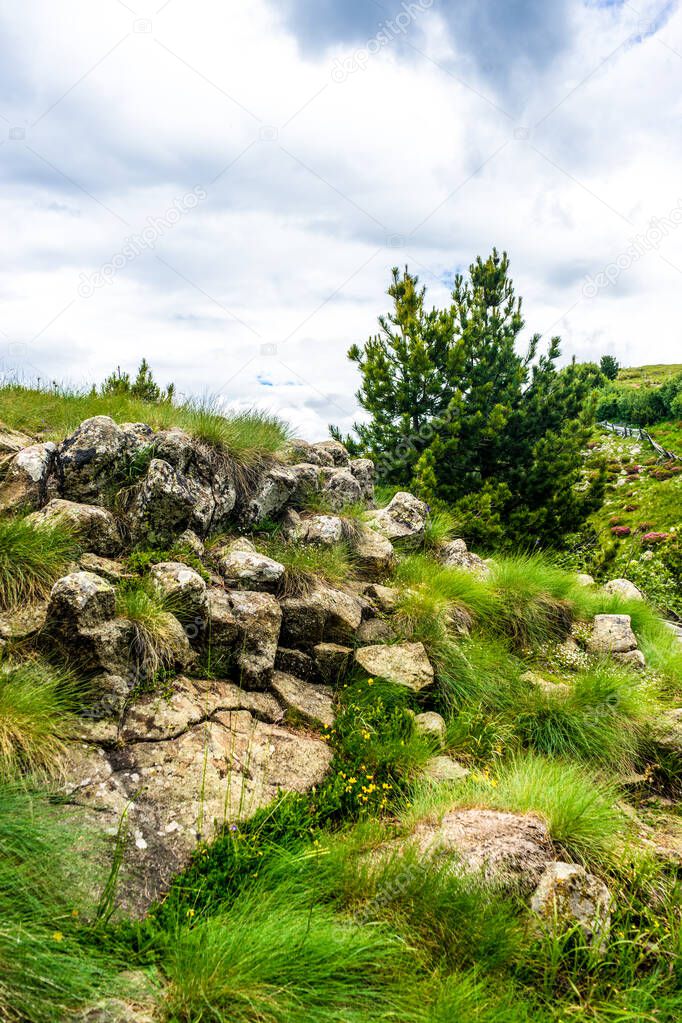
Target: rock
<point>178,791</point>
<point>544,685</point>
<point>444,769</point>
<point>323,614</point>
<point>81,600</point>
<point>110,648</point>
<point>295,662</point>
<point>12,441</point>
<point>161,505</point>
<point>307,482</point>
<point>244,568</point>
<point>432,724</point>
<point>612,634</point>
<point>669,731</point>
<point>403,663</point>
<point>507,848</point>
<point>403,518</point>
<point>221,631</point>
<point>22,622</point>
<point>182,588</point>
<point>374,552</point>
<point>109,569</point>
<point>189,540</point>
<point>273,491</point>
<point>623,588</point>
<point>25,479</point>
<point>258,617</point>
<point>363,471</point>
<point>95,527</point>
<point>311,703</point>
<point>454,554</point>
<point>385,598</point>
<point>567,895</point>
<point>320,529</point>
<point>332,661</point>
<point>337,454</point>
<point>632,659</point>
<point>341,489</point>
<point>139,435</point>
<point>302,451</point>
<point>584,579</point>
<point>375,630</point>
<point>90,457</point>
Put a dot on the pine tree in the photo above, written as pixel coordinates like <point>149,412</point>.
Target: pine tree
<point>609,366</point>
<point>143,386</point>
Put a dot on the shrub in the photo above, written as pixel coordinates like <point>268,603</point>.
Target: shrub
<point>620,531</point>
<point>31,559</point>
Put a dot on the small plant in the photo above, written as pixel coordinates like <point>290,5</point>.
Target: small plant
<point>156,628</point>
<point>247,437</point>
<point>31,559</point>
<point>36,718</point>
<point>440,526</point>
<point>305,564</point>
<point>620,531</point>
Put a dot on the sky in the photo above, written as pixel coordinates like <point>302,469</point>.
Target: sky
<point>224,187</point>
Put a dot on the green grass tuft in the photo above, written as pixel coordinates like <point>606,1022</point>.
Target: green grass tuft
<point>31,559</point>
<point>156,628</point>
<point>306,564</point>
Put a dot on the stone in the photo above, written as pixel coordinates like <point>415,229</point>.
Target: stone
<point>108,568</point>
<point>110,648</point>
<point>584,579</point>
<point>320,529</point>
<point>507,848</point>
<point>295,662</point>
<point>192,543</point>
<point>375,630</point>
<point>385,598</point>
<point>373,551</point>
<point>139,435</point>
<point>404,663</point>
<point>363,471</point>
<point>623,588</point>
<point>307,482</point>
<point>332,661</point>
<point>12,441</point>
<point>455,554</point>
<point>258,617</point>
<point>179,791</point>
<point>244,568</point>
<point>443,769</point>
<point>302,451</point>
<point>403,518</point>
<point>182,588</point>
<point>95,527</point>
<point>222,631</point>
<point>25,479</point>
<point>612,634</point>
<point>669,731</point>
<point>567,896</point>
<point>312,704</point>
<point>432,724</point>
<point>81,600</point>
<point>90,457</point>
<point>341,489</point>
<point>161,505</point>
<point>559,689</point>
<point>632,659</point>
<point>323,614</point>
<point>23,622</point>
<point>334,450</point>
<point>272,492</point>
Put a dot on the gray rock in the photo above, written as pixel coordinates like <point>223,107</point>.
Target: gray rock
<point>455,554</point>
<point>324,614</point>
<point>404,663</point>
<point>443,770</point>
<point>430,723</point>
<point>192,543</point>
<point>23,622</point>
<point>623,588</point>
<point>374,552</point>
<point>12,441</point>
<point>363,471</point>
<point>341,488</point>
<point>568,896</point>
<point>307,482</point>
<point>161,505</point>
<point>272,492</point>
<point>334,450</point>
<point>310,703</point>
<point>559,689</point>
<point>402,519</point>
<point>584,579</point>
<point>612,634</point>
<point>182,588</point>
<point>108,568</point>
<point>669,731</point>
<point>632,659</point>
<point>89,458</point>
<point>258,617</point>
<point>26,477</point>
<point>385,598</point>
<point>332,661</point>
<point>95,527</point>
<point>320,529</point>
<point>375,630</point>
<point>295,662</point>
<point>221,632</point>
<point>81,600</point>
<point>244,568</point>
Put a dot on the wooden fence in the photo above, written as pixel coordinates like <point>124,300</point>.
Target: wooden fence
<point>636,431</point>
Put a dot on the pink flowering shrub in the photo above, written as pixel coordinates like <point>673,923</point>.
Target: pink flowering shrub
<point>655,537</point>
<point>619,531</point>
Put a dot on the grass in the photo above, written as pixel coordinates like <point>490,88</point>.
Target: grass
<point>648,376</point>
<point>156,628</point>
<point>440,527</point>
<point>306,564</point>
<point>31,559</point>
<point>54,413</point>
<point>36,718</point>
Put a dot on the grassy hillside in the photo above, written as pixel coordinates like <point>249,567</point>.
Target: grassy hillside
<point>321,908</point>
<point>648,376</point>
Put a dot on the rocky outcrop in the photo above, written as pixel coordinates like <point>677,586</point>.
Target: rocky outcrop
<point>567,896</point>
<point>91,457</point>
<point>402,519</point>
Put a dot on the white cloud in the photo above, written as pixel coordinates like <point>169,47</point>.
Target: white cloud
<point>316,187</point>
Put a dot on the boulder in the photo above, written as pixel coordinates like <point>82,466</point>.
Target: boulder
<point>612,634</point>
<point>507,848</point>
<point>309,703</point>
<point>385,598</point>
<point>375,630</point>
<point>81,600</point>
<point>272,492</point>
<point>584,579</point>
<point>332,661</point>
<point>302,451</point>
<point>307,482</point>
<point>443,769</point>
<point>374,552</point>
<point>320,529</point>
<point>192,543</point>
<point>631,659</point>
<point>402,519</point>
<point>403,663</point>
<point>221,631</point>
<point>258,618</point>
<point>26,477</point>
<point>95,527</point>
<point>242,567</point>
<point>110,569</point>
<point>182,588</point>
<point>295,662</point>
<point>331,452</point>
<point>22,622</point>
<point>669,731</point>
<point>430,723</point>
<point>161,505</point>
<point>341,488</point>
<point>454,554</point>
<point>623,588</point>
<point>178,791</point>
<point>12,441</point>
<point>363,471</point>
<point>323,614</point>
<point>90,457</point>
<point>559,689</point>
<point>567,896</point>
